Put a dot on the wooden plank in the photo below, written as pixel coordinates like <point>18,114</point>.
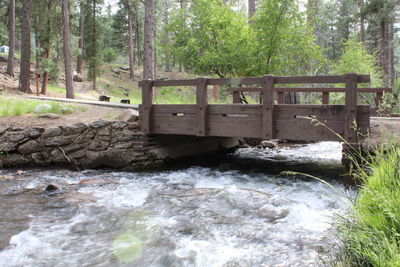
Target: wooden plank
<point>235,109</point>
<point>167,124</point>
<point>201,102</point>
<point>234,126</point>
<point>350,119</point>
<point>329,112</point>
<point>313,89</point>
<point>235,81</point>
<point>187,82</point>
<point>320,79</point>
<point>236,97</point>
<point>305,130</point>
<point>374,90</point>
<point>147,101</point>
<point>325,98</point>
<point>281,98</point>
<point>268,107</point>
<point>174,109</point>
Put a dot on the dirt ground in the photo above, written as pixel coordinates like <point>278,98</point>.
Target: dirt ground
<point>382,131</point>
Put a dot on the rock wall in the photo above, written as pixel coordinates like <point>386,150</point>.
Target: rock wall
<point>115,144</point>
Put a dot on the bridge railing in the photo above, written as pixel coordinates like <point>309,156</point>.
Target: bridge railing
<point>268,88</point>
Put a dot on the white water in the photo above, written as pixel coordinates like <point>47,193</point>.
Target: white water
<point>197,216</point>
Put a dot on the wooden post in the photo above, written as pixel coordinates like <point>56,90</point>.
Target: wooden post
<point>236,97</point>
<point>378,99</point>
<point>147,102</point>
<point>325,98</point>
<point>201,102</point>
<point>281,97</point>
<point>268,107</point>
<point>350,127</point>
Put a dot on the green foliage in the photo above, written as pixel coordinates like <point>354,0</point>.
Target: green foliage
<point>109,55</point>
<point>357,59</point>
<point>285,42</point>
<point>212,39</point>
<point>371,237</point>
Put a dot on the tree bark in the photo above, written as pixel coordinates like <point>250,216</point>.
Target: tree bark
<point>67,50</point>
<point>37,43</point>
<point>81,38</point>
<point>47,45</point>
<point>362,21</point>
<point>384,49</point>
<point>24,78</point>
<point>94,70</point>
<point>130,41</point>
<point>252,8</point>
<point>11,38</point>
<point>148,57</point>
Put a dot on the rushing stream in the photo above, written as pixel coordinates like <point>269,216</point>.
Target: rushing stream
<point>219,215</point>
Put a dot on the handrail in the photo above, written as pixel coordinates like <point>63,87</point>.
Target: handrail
<point>259,80</point>
<point>312,89</point>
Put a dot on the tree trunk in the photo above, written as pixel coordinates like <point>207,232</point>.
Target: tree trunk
<point>37,43</point>
<point>130,41</point>
<point>24,77</point>
<point>391,50</point>
<point>11,38</point>
<point>94,70</point>
<point>81,36</point>
<point>362,21</point>
<point>384,49</point>
<point>47,45</point>
<point>252,8</point>
<point>67,50</point>
<point>148,60</point>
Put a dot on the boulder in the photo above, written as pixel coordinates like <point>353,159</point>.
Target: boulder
<point>29,147</point>
<point>272,213</point>
<point>51,116</point>
<point>99,123</point>
<point>42,108</point>
<point>268,144</point>
<point>67,110</point>
<point>116,71</point>
<point>3,59</point>
<point>78,77</point>
<point>74,129</point>
<point>51,188</point>
<point>129,115</point>
<point>3,129</point>
<point>124,68</point>
<point>52,131</point>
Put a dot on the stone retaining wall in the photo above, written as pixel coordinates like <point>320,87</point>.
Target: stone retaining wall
<point>115,144</point>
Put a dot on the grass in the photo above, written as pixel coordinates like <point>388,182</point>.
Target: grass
<point>17,107</point>
<point>370,236</point>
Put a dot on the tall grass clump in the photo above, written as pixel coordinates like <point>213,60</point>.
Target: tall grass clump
<point>11,106</point>
<point>370,236</point>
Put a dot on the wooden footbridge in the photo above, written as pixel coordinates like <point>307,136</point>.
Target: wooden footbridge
<point>269,120</point>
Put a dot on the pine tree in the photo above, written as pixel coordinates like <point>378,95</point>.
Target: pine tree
<point>24,78</point>
<point>67,50</point>
<point>148,59</point>
<point>11,39</point>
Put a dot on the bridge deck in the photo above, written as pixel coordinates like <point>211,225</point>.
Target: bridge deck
<point>267,120</point>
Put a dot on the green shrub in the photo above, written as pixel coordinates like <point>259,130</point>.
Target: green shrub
<point>371,235</point>
<point>109,55</point>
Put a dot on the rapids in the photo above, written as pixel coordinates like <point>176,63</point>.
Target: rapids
<point>229,213</point>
